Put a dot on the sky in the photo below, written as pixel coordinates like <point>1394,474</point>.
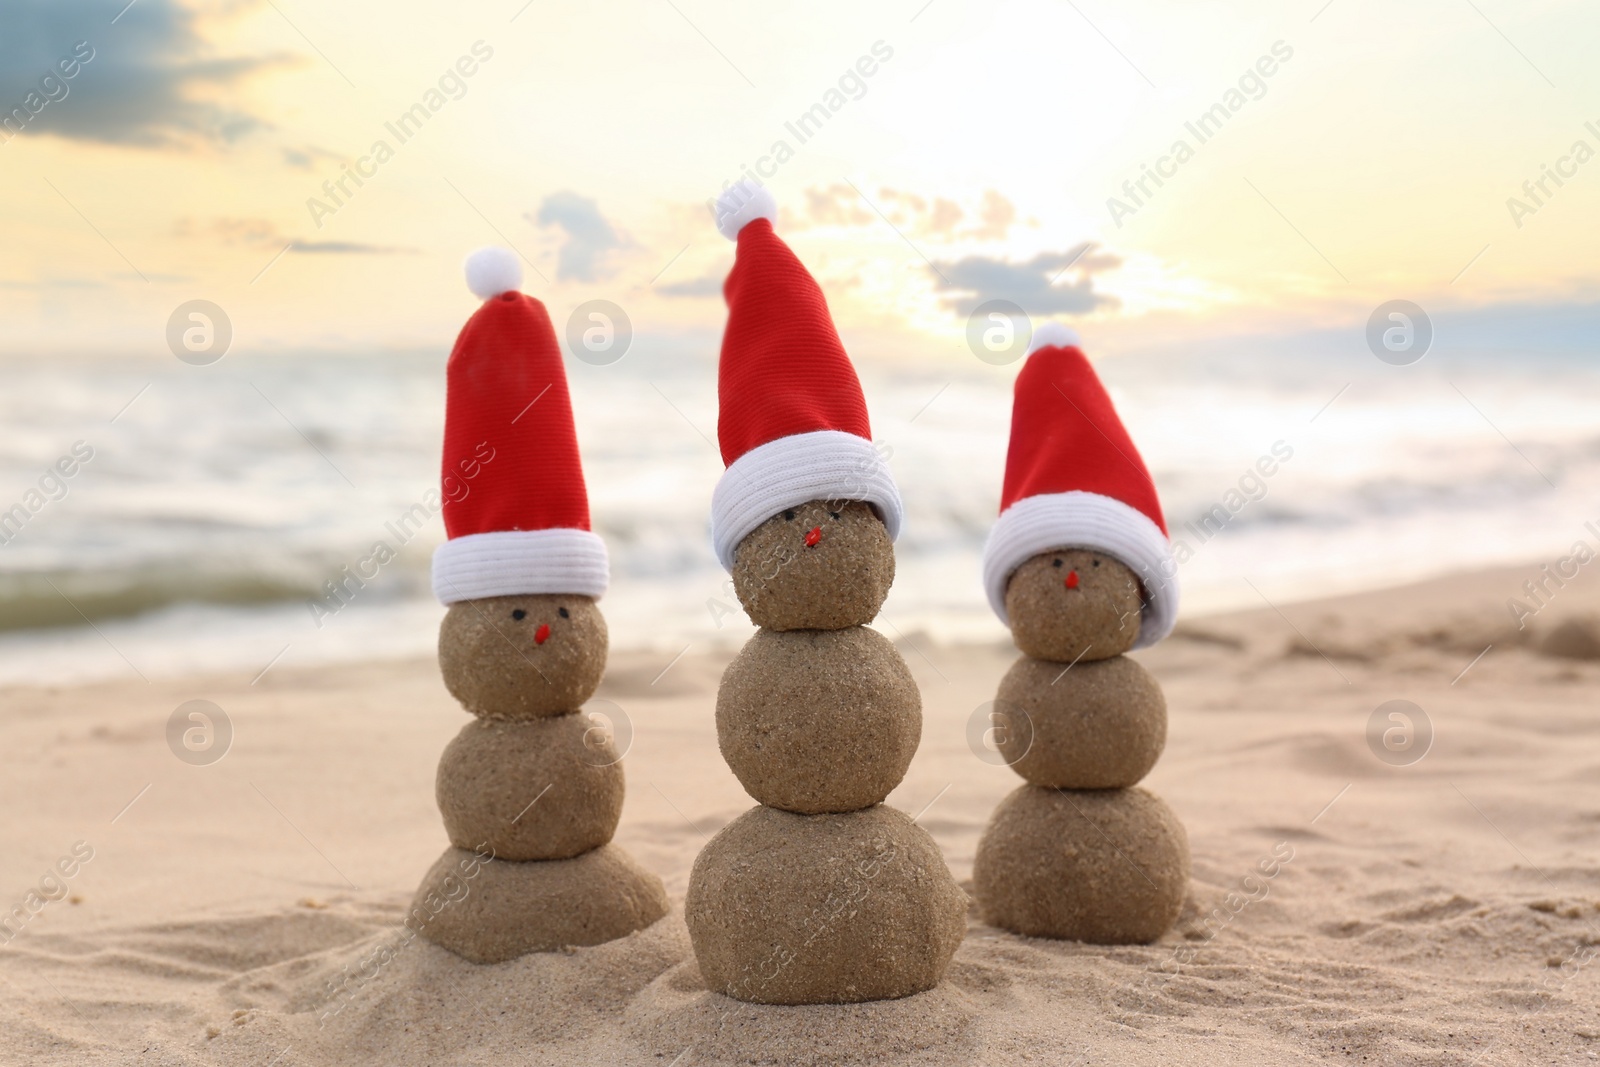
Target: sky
<point>1315,160</point>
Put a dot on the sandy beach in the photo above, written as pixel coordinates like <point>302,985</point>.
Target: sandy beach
<point>248,911</point>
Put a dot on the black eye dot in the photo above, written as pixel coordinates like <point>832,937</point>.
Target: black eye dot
<point>562,612</point>
<point>1097,563</point>
<point>835,515</point>
<point>519,614</point>
<point>1057,563</point>
<point>789,515</point>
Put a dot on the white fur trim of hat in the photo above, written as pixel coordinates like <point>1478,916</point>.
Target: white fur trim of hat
<point>520,562</point>
<point>1079,519</point>
<point>784,473</point>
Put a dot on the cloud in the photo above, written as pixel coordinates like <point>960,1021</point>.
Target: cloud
<point>1033,285</point>
<point>350,248</point>
<point>939,218</point>
<point>945,215</point>
<point>996,217</point>
<point>53,283</point>
<point>698,287</point>
<point>153,276</point>
<point>306,158</point>
<point>151,80</point>
<point>590,238</point>
<point>837,205</point>
<point>264,233</point>
<point>229,231</point>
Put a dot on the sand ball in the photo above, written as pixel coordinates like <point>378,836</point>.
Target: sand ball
<point>543,789</point>
<point>522,657</point>
<point>492,910</point>
<point>819,720</point>
<point>823,909</point>
<point>1073,603</point>
<point>816,566</point>
<point>1098,725</point>
<point>1108,866</point>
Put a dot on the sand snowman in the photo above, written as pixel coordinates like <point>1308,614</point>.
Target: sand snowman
<point>1078,565</point>
<point>822,894</point>
<point>531,789</point>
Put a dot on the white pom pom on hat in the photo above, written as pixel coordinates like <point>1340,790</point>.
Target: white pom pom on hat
<point>1053,335</point>
<point>741,204</point>
<point>492,271</point>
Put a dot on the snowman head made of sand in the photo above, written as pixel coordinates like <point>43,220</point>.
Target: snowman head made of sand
<point>806,514</point>
<point>520,574</point>
<point>1078,564</point>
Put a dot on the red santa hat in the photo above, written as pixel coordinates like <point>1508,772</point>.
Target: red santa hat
<point>793,421</point>
<point>1075,480</point>
<point>516,510</point>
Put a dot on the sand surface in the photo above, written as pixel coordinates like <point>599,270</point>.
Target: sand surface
<point>247,912</point>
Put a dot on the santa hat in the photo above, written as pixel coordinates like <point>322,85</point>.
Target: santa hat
<point>1075,480</point>
<point>793,422</point>
<point>509,445</point>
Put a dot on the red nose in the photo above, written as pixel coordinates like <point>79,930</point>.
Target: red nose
<point>542,634</point>
<point>1072,579</point>
<point>813,535</point>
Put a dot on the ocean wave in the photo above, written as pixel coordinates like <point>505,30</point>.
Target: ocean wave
<point>246,490</point>
<point>46,599</point>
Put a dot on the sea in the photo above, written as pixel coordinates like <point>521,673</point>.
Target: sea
<point>217,501</point>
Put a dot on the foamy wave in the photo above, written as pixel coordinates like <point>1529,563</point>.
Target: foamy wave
<point>235,495</point>
<point>53,598</point>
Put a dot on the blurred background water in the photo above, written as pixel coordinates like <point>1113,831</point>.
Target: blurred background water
<point>220,499</point>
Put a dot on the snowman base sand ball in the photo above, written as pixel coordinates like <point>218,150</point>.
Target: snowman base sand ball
<point>822,894</point>
<point>1078,566</point>
<point>531,789</point>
